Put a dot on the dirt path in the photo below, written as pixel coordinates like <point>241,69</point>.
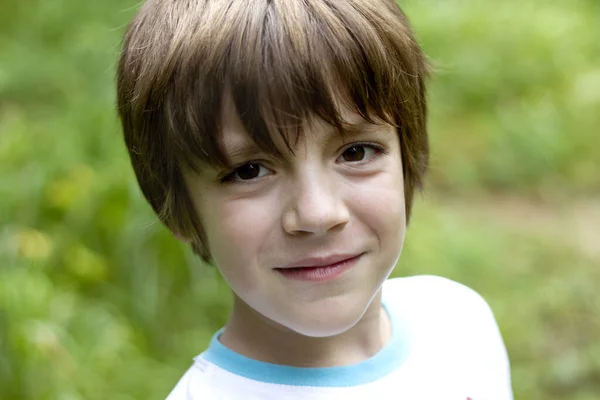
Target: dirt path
<point>576,222</point>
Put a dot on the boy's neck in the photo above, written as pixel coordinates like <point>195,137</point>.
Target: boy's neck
<point>274,344</point>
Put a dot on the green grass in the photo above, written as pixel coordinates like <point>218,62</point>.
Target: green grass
<point>98,301</point>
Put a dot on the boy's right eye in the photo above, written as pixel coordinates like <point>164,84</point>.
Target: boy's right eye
<point>247,172</point>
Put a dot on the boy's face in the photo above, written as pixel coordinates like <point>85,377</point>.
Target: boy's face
<point>334,199</point>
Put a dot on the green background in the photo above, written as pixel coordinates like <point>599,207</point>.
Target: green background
<point>98,301</point>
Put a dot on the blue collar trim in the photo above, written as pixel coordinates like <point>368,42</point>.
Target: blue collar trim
<point>381,364</point>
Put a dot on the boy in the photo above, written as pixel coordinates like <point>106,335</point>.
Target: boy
<point>284,139</point>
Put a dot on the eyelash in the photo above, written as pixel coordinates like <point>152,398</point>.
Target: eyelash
<point>229,176</point>
<point>379,151</point>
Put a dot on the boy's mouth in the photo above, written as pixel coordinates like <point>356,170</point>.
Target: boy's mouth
<point>319,269</point>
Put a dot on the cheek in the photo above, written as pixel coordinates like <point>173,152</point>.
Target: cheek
<point>379,209</point>
<point>380,204</point>
<point>386,215</point>
<point>237,230</point>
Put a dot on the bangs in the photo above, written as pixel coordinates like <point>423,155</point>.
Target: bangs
<point>282,63</point>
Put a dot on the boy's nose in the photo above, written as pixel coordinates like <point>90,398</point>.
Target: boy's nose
<point>315,206</point>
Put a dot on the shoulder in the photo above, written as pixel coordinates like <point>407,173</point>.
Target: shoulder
<point>426,282</point>
<point>436,302</point>
<point>195,383</point>
<point>446,315</point>
<point>434,291</point>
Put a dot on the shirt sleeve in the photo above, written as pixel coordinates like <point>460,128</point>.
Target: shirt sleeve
<point>499,365</point>
<point>471,327</point>
<point>490,360</point>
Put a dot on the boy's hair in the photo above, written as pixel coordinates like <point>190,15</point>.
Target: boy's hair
<point>281,62</point>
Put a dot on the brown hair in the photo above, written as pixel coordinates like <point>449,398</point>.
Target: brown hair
<point>282,62</point>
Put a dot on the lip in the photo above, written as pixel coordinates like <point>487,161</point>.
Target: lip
<point>316,262</point>
<point>319,269</point>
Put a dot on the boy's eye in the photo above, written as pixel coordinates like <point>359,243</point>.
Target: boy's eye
<point>248,172</point>
<point>358,152</point>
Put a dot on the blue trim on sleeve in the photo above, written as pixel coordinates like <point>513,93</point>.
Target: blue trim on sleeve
<point>381,364</point>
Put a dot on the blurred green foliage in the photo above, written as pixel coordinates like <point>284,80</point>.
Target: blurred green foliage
<point>98,301</point>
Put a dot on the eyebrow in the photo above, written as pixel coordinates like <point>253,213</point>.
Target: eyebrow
<point>354,129</point>
<point>244,149</point>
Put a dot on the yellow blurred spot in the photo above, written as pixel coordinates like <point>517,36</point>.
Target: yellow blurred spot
<point>33,244</point>
<point>85,264</point>
<point>44,337</point>
<point>64,192</point>
<point>586,88</point>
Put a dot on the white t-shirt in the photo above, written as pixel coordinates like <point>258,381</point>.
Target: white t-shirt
<point>445,345</point>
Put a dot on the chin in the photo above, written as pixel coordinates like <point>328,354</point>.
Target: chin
<point>322,331</point>
<point>320,324</point>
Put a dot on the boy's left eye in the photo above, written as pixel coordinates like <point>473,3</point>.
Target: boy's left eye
<point>358,153</point>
